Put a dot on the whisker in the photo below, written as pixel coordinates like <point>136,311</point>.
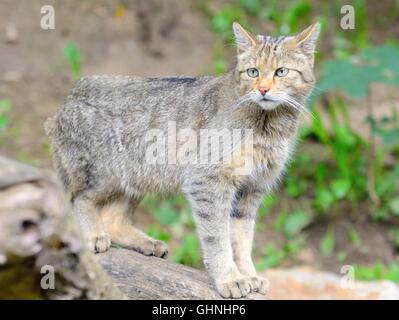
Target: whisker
<point>241,100</point>
<point>293,103</point>
<point>282,97</point>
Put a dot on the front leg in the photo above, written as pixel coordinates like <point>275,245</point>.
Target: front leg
<point>211,206</point>
<point>243,218</point>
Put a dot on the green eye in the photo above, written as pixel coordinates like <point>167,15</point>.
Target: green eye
<point>282,72</point>
<point>253,72</point>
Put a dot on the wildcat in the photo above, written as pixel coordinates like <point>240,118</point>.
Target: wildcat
<point>99,147</point>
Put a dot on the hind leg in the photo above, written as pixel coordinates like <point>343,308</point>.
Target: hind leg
<point>91,224</point>
<point>117,219</point>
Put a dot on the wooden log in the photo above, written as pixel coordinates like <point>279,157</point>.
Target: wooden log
<point>142,277</point>
<point>38,238</point>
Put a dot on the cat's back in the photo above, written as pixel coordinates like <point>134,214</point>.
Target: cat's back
<point>149,100</point>
<point>101,101</point>
<point>107,90</point>
<point>114,91</point>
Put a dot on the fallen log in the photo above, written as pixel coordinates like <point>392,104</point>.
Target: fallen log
<point>42,255</point>
<point>142,277</point>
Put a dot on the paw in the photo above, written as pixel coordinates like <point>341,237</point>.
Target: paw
<point>160,249</point>
<point>260,284</point>
<point>155,248</point>
<point>236,288</point>
<point>98,244</point>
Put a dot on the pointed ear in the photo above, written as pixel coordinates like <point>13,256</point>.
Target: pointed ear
<point>307,39</point>
<point>244,39</point>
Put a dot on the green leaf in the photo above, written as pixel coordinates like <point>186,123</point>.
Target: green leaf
<point>273,257</point>
<point>354,237</point>
<point>376,64</point>
<point>320,174</point>
<point>340,188</point>
<point>327,244</point>
<point>394,206</point>
<point>252,6</point>
<point>188,252</point>
<point>390,137</point>
<point>381,214</point>
<point>222,21</point>
<point>394,235</point>
<point>280,221</point>
<point>386,184</point>
<point>393,273</point>
<point>3,122</point>
<point>295,222</point>
<point>267,204</point>
<point>294,14</point>
<point>378,271</point>
<point>344,135</point>
<point>156,232</point>
<point>375,272</point>
<point>361,34</point>
<point>293,247</point>
<point>342,74</point>
<point>324,199</point>
<point>177,200</point>
<point>220,66</point>
<point>5,106</point>
<point>342,156</point>
<point>269,201</point>
<point>319,129</point>
<point>166,214</point>
<point>384,61</point>
<point>72,55</point>
<point>341,256</point>
<point>293,187</point>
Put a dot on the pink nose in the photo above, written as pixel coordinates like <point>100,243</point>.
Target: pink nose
<point>263,91</point>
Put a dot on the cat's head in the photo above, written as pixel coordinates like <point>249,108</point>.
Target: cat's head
<point>272,71</point>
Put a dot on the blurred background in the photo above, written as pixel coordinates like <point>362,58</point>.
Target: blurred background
<point>339,202</point>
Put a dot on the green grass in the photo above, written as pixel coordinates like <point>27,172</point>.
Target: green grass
<point>378,271</point>
<point>73,57</point>
<point>5,107</point>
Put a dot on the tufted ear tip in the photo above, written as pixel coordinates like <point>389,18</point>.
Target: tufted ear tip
<point>236,25</point>
<point>311,33</point>
<point>244,39</point>
<point>307,39</point>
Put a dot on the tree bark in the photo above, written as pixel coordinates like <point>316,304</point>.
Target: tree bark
<point>142,277</point>
<point>39,235</point>
<point>39,238</point>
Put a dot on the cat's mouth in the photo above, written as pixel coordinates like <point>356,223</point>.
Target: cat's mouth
<point>267,102</point>
<point>272,100</point>
<point>267,99</point>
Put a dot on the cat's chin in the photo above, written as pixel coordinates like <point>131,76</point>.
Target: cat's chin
<point>267,104</point>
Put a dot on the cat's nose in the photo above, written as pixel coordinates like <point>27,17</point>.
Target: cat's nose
<point>263,91</point>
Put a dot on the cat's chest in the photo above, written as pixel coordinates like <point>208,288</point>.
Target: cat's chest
<point>273,153</point>
<point>269,161</point>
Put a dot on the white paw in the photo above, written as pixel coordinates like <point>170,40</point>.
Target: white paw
<point>160,249</point>
<point>238,287</point>
<point>98,244</point>
<point>155,248</point>
<point>260,284</point>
